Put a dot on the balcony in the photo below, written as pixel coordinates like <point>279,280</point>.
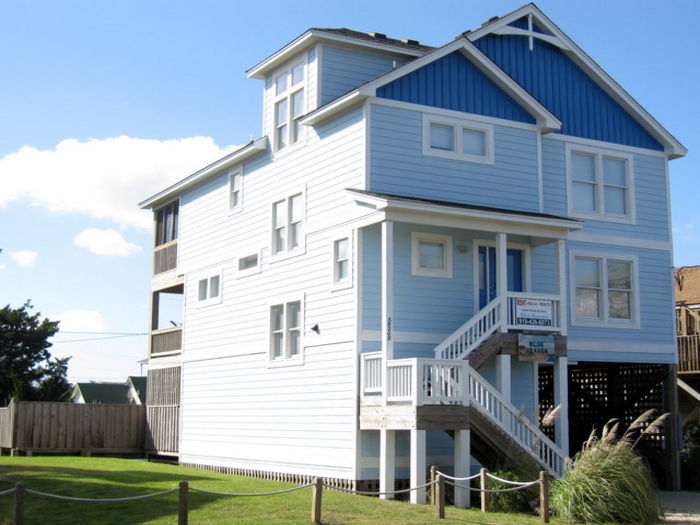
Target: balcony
<point>689,354</point>
<point>165,257</point>
<point>166,341</point>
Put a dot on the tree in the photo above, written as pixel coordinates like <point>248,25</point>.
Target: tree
<point>27,370</point>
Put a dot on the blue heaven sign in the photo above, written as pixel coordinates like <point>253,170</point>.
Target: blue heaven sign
<point>536,348</point>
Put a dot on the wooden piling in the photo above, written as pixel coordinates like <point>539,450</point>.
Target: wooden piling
<point>484,495</point>
<point>317,501</point>
<point>544,497</point>
<point>19,503</point>
<point>183,504</point>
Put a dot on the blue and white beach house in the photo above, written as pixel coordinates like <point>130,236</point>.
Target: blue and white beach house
<point>426,250</point>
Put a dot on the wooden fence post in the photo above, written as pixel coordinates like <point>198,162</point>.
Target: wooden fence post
<point>544,496</point>
<point>19,503</point>
<point>440,496</point>
<point>317,501</point>
<point>484,495</point>
<point>182,509</point>
<point>433,477</point>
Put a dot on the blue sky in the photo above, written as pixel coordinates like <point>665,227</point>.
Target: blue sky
<point>104,103</point>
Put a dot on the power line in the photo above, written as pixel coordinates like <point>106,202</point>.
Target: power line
<point>98,338</point>
<point>97,333</point>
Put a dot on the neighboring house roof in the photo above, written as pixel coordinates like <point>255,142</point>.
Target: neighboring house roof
<point>377,41</point>
<point>687,282</point>
<point>104,392</point>
<point>139,384</point>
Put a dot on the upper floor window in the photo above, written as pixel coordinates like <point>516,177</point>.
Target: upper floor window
<point>341,260</point>
<point>605,289</point>
<point>457,139</point>
<point>285,330</point>
<point>287,224</point>
<point>209,289</point>
<point>166,223</point>
<point>289,105</point>
<point>600,185</point>
<point>235,182</point>
<point>431,254</point>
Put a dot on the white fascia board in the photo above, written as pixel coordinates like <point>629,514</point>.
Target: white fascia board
<point>341,104</point>
<point>254,148</point>
<point>545,119</point>
<point>673,148</point>
<point>388,204</point>
<point>313,36</point>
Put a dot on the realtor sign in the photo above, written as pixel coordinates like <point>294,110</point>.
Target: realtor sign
<point>533,312</point>
<point>536,348</point>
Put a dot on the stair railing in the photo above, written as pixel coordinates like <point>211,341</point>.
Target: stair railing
<point>485,398</point>
<point>472,333</point>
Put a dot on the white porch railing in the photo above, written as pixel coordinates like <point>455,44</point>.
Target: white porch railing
<point>472,333</point>
<point>448,381</point>
<point>524,311</point>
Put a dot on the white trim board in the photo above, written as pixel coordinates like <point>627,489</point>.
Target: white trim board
<point>591,345</point>
<point>610,146</point>
<point>423,338</point>
<point>627,242</point>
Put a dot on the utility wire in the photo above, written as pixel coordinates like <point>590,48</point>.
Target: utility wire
<point>98,338</point>
<point>97,333</point>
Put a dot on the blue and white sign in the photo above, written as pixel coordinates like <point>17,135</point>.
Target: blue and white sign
<point>536,348</point>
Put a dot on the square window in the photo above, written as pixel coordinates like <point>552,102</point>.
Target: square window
<point>457,139</point>
<point>474,142</point>
<point>442,137</point>
<point>431,255</point>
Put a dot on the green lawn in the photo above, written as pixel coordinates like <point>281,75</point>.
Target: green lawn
<point>108,477</point>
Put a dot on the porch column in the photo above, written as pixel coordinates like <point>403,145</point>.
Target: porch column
<point>462,465</point>
<point>418,465</point>
<point>561,398</point>
<point>502,277</point>
<point>387,462</point>
<point>503,375</point>
<point>561,270</point>
<point>387,290</point>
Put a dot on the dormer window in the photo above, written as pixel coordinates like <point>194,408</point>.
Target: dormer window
<point>289,105</point>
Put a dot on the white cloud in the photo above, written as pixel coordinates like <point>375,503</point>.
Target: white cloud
<point>80,321</point>
<point>24,257</point>
<point>103,178</point>
<point>105,242</point>
<point>2,267</point>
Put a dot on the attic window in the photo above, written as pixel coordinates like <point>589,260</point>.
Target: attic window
<point>289,105</point>
<point>458,139</point>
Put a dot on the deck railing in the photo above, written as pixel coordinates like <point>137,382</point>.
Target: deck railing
<point>168,340</point>
<point>453,382</point>
<point>689,353</point>
<point>472,333</point>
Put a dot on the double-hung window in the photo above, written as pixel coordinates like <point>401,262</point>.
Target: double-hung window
<point>287,224</point>
<point>235,182</point>
<point>209,289</point>
<point>605,290</point>
<point>457,139</point>
<point>600,185</point>
<point>288,89</point>
<point>285,330</point>
<point>431,255</point>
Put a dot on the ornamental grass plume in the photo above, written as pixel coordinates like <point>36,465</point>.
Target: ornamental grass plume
<point>608,482</point>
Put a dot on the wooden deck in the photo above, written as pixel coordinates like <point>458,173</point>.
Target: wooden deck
<point>409,417</point>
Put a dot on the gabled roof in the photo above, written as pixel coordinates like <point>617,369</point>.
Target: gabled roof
<point>251,149</point>
<point>376,41</point>
<point>139,384</point>
<point>545,119</point>
<point>555,36</point>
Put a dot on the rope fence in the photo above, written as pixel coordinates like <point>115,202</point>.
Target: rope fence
<point>441,479</point>
<point>437,483</point>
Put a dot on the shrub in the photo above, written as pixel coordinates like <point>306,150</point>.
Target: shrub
<point>608,482</point>
<point>513,501</point>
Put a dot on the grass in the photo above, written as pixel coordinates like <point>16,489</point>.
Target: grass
<point>109,477</point>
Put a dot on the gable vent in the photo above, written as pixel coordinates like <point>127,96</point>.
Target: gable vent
<point>374,34</point>
<point>410,41</point>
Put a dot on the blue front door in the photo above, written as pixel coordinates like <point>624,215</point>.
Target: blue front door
<point>487,273</point>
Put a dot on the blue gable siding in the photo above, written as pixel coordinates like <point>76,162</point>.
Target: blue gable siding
<point>343,70</point>
<point>398,165</point>
<point>562,87</point>
<point>453,82</point>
